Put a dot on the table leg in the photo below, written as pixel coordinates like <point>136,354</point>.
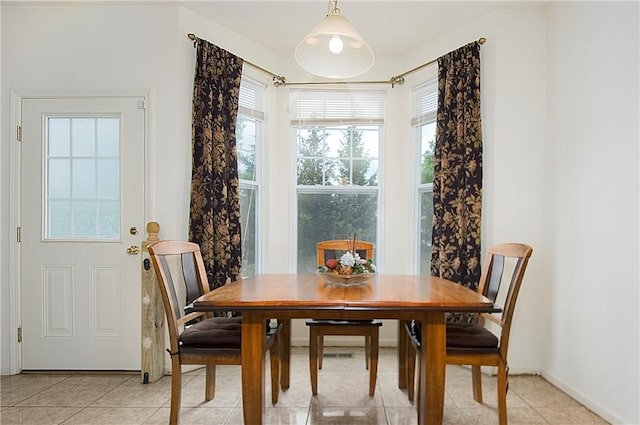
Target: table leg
<point>402,355</point>
<point>285,352</point>
<point>253,375</point>
<point>432,369</point>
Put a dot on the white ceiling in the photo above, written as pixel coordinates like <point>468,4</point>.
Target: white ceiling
<point>390,27</point>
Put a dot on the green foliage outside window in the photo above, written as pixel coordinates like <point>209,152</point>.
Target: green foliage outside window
<point>337,195</point>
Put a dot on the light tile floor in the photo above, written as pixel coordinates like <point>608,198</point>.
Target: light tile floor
<point>121,399</point>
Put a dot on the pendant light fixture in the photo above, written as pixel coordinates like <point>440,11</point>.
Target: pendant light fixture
<point>334,48</point>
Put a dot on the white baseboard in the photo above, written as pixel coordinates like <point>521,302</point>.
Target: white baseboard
<point>586,401</point>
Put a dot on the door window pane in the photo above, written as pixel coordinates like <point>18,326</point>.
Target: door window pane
<point>82,178</point>
<point>59,137</point>
<point>108,137</point>
<point>108,178</point>
<point>84,219</point>
<point>83,137</point>
<point>59,219</point>
<point>59,178</point>
<point>108,214</point>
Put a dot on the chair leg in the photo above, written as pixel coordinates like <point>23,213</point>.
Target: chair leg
<point>476,376</point>
<point>320,350</point>
<point>502,394</point>
<point>411,371</point>
<point>176,390</point>
<point>402,355</point>
<point>313,360</point>
<point>419,395</point>
<point>274,359</point>
<point>367,351</point>
<point>210,382</point>
<point>373,358</point>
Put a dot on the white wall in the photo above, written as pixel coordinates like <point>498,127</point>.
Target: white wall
<point>513,129</point>
<point>592,144</point>
<point>537,188</point>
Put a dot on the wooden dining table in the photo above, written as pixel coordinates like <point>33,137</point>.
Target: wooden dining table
<point>297,296</point>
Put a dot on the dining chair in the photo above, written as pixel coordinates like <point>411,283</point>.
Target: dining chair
<point>318,328</point>
<point>474,343</point>
<point>197,338</point>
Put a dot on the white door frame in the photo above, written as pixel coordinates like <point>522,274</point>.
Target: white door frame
<point>15,259</point>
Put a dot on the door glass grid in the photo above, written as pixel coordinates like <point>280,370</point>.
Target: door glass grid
<point>82,178</point>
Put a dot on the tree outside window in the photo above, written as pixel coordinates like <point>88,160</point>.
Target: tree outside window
<point>337,177</point>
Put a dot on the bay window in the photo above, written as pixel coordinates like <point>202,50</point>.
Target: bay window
<point>337,135</point>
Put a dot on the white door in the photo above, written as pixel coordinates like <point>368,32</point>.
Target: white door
<point>82,193</point>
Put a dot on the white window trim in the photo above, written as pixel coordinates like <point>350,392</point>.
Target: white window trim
<point>296,123</point>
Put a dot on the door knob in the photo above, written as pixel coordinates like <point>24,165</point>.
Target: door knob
<point>133,250</point>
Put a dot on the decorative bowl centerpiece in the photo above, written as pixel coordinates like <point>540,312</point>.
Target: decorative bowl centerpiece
<point>349,270</point>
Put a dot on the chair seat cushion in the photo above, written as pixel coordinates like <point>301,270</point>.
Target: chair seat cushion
<point>460,336</point>
<point>466,335</point>
<point>215,332</point>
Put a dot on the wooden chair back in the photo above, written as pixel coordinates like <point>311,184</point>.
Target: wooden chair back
<point>335,248</point>
<point>176,262</point>
<point>501,258</point>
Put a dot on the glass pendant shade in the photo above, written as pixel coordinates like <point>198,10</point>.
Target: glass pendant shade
<point>334,49</point>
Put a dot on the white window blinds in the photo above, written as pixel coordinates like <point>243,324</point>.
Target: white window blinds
<point>424,106</point>
<point>251,101</point>
<point>317,107</point>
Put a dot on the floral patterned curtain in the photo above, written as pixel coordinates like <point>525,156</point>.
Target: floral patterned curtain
<point>457,184</point>
<point>214,219</point>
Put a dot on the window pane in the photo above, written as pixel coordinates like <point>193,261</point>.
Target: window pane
<point>370,142</point>
<point>108,137</point>
<point>324,216</point>
<point>337,143</point>
<point>83,184</point>
<point>84,219</point>
<point>427,149</point>
<point>108,179</point>
<point>365,172</point>
<point>59,219</point>
<point>248,217</point>
<point>109,219</point>
<point>59,178</point>
<point>58,134</point>
<point>246,143</point>
<point>426,222</point>
<point>310,171</point>
<point>84,178</point>
<point>83,136</point>
<point>348,152</point>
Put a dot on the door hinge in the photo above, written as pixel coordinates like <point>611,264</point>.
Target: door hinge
<point>141,104</point>
<point>19,133</point>
<point>19,234</point>
<point>19,334</point>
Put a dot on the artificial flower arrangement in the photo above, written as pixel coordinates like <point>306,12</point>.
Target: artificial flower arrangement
<point>350,265</point>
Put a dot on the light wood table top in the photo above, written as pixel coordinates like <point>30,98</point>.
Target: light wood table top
<point>289,296</point>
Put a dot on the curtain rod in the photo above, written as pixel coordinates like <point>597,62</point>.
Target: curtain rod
<point>279,80</point>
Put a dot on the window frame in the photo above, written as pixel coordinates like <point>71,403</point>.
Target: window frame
<point>424,103</point>
<point>374,117</point>
<point>254,108</point>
